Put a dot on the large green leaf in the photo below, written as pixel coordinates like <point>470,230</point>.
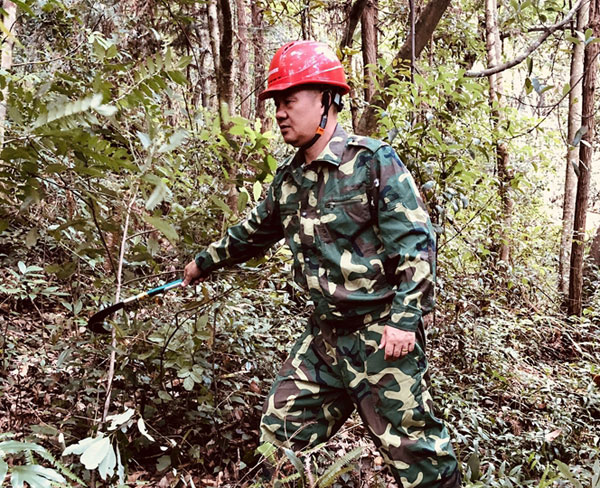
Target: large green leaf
<point>80,447</point>
<point>35,476</point>
<point>106,468</point>
<point>120,419</point>
<point>165,227</point>
<point>58,110</point>
<point>14,447</point>
<point>161,190</point>
<point>3,471</point>
<point>96,452</point>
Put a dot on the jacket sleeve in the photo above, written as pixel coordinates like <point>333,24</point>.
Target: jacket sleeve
<point>408,239</point>
<point>248,239</point>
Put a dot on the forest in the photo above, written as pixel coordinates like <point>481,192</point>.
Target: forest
<point>132,136</point>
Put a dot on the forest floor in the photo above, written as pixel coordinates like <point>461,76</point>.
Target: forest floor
<point>520,395</point>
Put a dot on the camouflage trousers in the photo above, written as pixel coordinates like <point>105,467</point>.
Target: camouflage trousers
<point>329,374</point>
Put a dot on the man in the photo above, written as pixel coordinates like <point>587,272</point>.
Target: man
<point>363,248</point>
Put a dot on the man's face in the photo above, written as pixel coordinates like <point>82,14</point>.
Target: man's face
<point>298,114</point>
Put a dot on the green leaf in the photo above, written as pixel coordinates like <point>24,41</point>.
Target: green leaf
<point>106,110</point>
<point>144,139</point>
<point>335,470</point>
<point>31,238</point>
<point>578,135</point>
<point>78,448</point>
<point>256,190</point>
<point>58,110</point>
<point>142,428</point>
<point>267,450</point>
<point>163,463</point>
<point>63,356</point>
<point>120,468</point>
<point>158,195</point>
<point>3,471</point>
<point>107,467</point>
<point>120,419</point>
<point>178,77</point>
<point>35,476</point>
<point>242,200</point>
<point>55,168</point>
<point>176,139</point>
<point>295,461</point>
<point>221,204</point>
<point>166,228</point>
<point>566,473</point>
<point>4,223</point>
<point>188,383</point>
<point>24,7</point>
<point>96,452</point>
<point>15,447</point>
<point>428,186</point>
<point>272,163</point>
<point>22,267</point>
<point>474,464</point>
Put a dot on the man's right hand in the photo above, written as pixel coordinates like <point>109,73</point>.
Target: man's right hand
<point>192,274</point>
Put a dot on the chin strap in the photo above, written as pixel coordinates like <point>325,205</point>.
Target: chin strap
<point>327,100</point>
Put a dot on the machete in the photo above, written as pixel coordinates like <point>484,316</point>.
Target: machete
<point>96,321</point>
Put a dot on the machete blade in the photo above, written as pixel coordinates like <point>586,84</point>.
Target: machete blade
<point>96,321</point>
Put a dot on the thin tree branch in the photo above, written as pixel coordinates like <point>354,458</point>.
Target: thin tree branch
<point>61,57</point>
<point>426,24</point>
<point>113,353</point>
<point>521,57</point>
<point>552,108</point>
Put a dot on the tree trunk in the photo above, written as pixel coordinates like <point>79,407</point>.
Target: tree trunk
<point>502,156</point>
<point>204,93</point>
<point>574,123</point>
<point>224,80</point>
<point>369,46</point>
<point>305,21</point>
<point>595,249</point>
<point>213,29</point>
<point>575,302</point>
<point>10,22</point>
<point>426,24</point>
<point>243,64</point>
<point>354,15</point>
<point>259,64</point>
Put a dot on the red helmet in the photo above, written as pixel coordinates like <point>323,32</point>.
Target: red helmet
<point>304,62</point>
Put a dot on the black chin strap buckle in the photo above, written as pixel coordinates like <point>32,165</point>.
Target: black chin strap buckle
<point>338,102</point>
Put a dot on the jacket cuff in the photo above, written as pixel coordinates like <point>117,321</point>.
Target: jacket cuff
<point>407,318</point>
<point>205,263</point>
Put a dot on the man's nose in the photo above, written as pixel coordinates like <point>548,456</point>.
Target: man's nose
<point>280,114</point>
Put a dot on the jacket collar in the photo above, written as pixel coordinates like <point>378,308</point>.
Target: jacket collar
<point>332,154</point>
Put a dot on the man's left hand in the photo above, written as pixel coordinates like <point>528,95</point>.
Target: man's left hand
<point>396,342</point>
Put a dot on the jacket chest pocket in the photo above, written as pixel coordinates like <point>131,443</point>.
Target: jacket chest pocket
<point>290,219</point>
<point>345,217</point>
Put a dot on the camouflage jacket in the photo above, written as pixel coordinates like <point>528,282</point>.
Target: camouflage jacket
<point>361,239</point>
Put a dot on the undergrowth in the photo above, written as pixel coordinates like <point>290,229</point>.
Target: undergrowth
<point>519,391</point>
